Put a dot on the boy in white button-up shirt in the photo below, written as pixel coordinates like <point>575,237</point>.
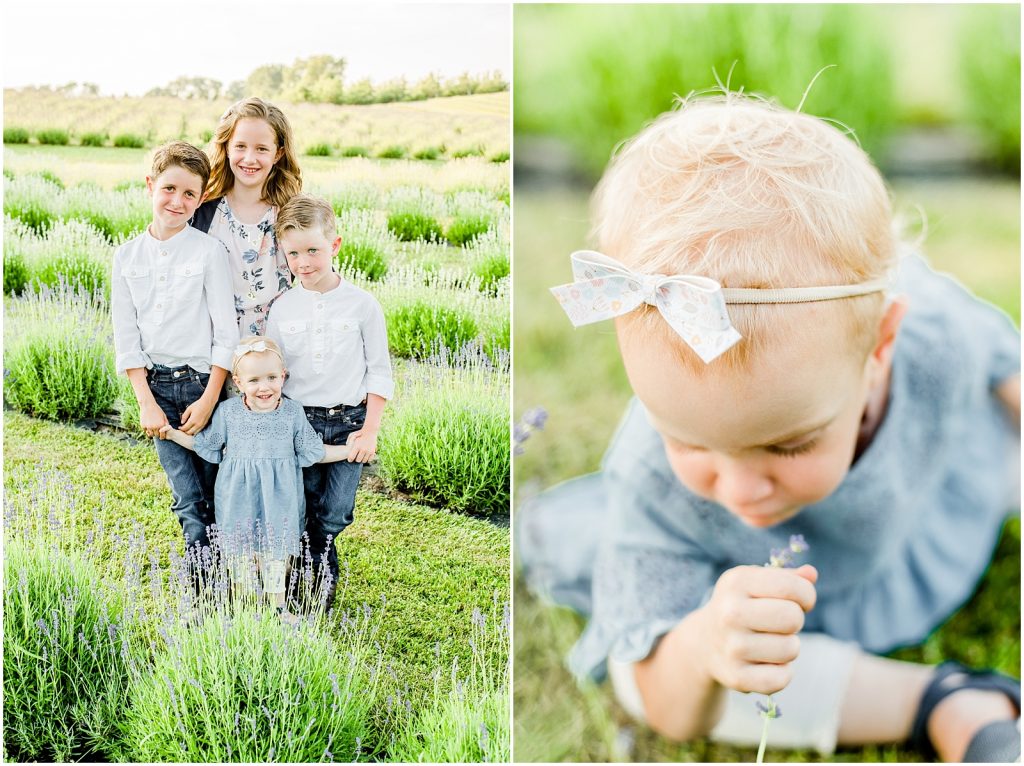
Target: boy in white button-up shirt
<point>173,310</point>
<point>339,369</point>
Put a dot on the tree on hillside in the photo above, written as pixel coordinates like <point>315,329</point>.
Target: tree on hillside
<point>429,87</point>
<point>265,81</point>
<point>360,92</point>
<point>394,89</point>
<point>317,79</point>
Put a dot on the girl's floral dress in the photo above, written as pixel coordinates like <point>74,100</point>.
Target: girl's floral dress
<point>259,270</point>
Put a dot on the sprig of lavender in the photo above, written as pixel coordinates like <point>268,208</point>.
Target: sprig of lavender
<point>778,558</point>
<point>532,420</point>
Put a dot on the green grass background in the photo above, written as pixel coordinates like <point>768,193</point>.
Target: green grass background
<point>973,232</point>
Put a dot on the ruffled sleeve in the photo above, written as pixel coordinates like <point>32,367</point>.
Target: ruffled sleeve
<point>210,442</point>
<point>649,572</point>
<point>309,448</point>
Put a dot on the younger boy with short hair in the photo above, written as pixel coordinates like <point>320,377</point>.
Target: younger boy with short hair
<point>173,311</point>
<point>336,351</point>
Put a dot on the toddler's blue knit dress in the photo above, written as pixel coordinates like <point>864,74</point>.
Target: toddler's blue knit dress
<point>260,504</point>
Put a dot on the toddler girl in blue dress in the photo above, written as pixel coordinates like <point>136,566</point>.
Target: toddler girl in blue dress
<point>792,375</point>
<point>262,441</point>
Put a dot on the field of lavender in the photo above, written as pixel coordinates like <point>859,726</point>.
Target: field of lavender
<point>413,662</point>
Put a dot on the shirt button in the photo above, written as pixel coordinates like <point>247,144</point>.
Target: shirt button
<point>188,271</point>
<point>159,305</point>
<point>319,307</point>
<point>319,330</point>
<point>318,356</point>
<point>164,252</point>
<point>163,279</point>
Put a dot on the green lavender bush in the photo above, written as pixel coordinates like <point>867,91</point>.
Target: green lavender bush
<point>355,151</point>
<point>392,152</point>
<point>16,273</point>
<point>318,150</point>
<point>129,141</point>
<point>446,442</point>
<point>93,139</point>
<point>246,688</point>
<point>16,136</point>
<point>464,229</point>
<point>53,136</point>
<point>363,258</point>
<point>58,354</point>
<point>416,330</point>
<point>67,656</point>
<point>410,225</point>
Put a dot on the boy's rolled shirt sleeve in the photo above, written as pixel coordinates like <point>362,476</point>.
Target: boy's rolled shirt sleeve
<point>127,337</point>
<point>378,359</point>
<point>220,298</point>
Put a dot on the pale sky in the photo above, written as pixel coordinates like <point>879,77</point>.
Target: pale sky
<point>130,47</point>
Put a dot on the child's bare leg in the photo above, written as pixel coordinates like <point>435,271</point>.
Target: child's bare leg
<point>273,572</point>
<point>883,696</point>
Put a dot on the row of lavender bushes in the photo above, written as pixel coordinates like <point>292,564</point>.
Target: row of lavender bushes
<point>445,441</point>
<point>109,655</point>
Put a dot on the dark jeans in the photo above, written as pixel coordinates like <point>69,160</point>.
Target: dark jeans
<point>191,478</point>
<point>331,487</point>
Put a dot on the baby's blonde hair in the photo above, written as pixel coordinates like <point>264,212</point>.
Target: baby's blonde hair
<point>736,188</point>
<point>248,342</point>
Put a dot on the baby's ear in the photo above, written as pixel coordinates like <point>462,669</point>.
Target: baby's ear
<point>888,328</point>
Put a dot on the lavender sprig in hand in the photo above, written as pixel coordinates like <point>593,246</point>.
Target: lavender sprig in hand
<point>782,558</point>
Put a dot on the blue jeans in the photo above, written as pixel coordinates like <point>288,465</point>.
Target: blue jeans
<point>331,487</point>
<point>191,478</point>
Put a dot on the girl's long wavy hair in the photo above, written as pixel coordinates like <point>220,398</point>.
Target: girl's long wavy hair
<point>285,179</point>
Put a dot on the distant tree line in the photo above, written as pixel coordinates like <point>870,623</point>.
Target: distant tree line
<point>321,79</point>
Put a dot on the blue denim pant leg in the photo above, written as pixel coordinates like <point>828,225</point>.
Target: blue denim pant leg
<point>330,488</point>
<point>191,478</point>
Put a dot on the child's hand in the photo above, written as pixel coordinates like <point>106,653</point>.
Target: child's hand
<point>751,624</point>
<point>167,432</point>
<point>197,415</point>
<point>362,445</point>
<point>152,419</point>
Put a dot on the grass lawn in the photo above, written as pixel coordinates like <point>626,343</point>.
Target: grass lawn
<point>973,232</point>
<point>433,567</point>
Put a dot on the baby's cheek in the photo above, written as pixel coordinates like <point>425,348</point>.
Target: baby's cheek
<point>693,470</point>
<point>812,479</point>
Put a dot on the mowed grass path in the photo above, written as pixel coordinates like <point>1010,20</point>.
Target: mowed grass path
<point>432,567</point>
<point>973,232</point>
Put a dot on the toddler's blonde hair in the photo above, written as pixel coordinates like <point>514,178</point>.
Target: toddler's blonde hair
<point>736,188</point>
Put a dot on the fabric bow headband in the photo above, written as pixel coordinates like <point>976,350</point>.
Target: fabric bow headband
<point>258,346</point>
<point>693,306</point>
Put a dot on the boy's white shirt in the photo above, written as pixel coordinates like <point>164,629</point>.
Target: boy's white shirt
<point>172,302</point>
<point>335,345</point>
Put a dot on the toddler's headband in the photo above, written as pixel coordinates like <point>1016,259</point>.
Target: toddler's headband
<point>245,348</point>
<point>693,306</point>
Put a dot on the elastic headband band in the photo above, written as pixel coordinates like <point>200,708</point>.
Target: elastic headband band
<point>694,306</point>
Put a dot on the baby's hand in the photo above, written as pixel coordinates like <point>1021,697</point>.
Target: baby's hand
<point>751,624</point>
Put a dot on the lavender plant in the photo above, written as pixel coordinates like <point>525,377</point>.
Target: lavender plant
<point>467,720</point>
<point>532,420</point>
<point>59,358</point>
<point>446,442</point>
<point>69,656</point>
<point>779,557</point>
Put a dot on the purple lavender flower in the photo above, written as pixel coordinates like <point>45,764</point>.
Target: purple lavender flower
<point>532,420</point>
<point>797,544</point>
<point>769,710</point>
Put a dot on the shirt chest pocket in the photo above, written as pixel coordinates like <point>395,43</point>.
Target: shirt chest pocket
<point>346,337</point>
<point>139,284</point>
<point>295,337</point>
<point>187,287</point>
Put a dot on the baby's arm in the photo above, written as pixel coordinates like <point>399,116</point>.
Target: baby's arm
<point>1009,394</point>
<point>744,638</point>
<point>178,437</point>
<point>334,453</point>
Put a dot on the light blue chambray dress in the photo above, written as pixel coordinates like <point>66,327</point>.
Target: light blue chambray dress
<point>259,499</point>
<point>899,545</point>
